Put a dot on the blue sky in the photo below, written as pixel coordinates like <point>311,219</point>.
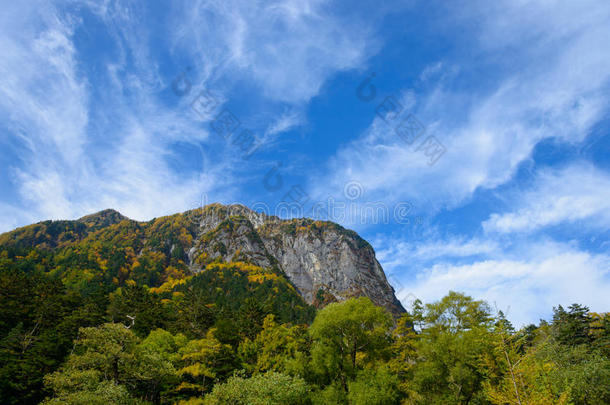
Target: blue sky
<point>468,142</point>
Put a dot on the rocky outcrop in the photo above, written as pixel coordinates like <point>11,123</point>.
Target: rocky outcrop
<point>324,261</point>
<point>320,258</point>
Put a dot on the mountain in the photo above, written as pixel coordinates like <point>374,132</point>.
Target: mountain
<point>322,260</point>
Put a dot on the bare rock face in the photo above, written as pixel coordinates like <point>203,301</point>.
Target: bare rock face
<point>321,259</point>
<point>231,240</point>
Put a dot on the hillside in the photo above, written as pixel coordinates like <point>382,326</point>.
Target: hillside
<point>322,260</point>
<point>227,306</point>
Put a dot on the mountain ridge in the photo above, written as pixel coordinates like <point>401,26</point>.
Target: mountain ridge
<point>324,261</point>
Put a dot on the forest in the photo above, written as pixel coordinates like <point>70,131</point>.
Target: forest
<point>131,347</point>
<point>98,313</point>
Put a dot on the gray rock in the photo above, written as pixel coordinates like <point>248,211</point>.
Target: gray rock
<point>319,257</point>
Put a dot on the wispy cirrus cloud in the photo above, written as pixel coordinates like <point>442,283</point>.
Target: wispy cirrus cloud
<point>397,252</point>
<point>525,280</point>
<point>526,287</point>
<point>579,193</point>
<point>546,81</point>
<point>67,165</point>
<point>91,125</point>
<point>560,91</point>
<point>287,48</point>
<point>44,99</point>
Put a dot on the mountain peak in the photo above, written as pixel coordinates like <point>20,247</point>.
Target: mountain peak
<point>321,258</point>
<point>103,218</point>
<point>324,261</point>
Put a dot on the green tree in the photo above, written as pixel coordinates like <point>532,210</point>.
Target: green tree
<point>331,394</point>
<point>455,338</point>
<point>457,312</point>
<point>38,321</point>
<point>572,327</point>
<point>553,373</point>
<point>374,387</point>
<point>157,359</point>
<point>600,331</point>
<point>264,389</point>
<point>250,317</point>
<point>502,382</point>
<point>102,364</point>
<point>194,314</point>
<point>91,391</point>
<point>347,335</point>
<point>404,354</point>
<point>205,362</point>
<point>135,303</point>
<point>281,348</point>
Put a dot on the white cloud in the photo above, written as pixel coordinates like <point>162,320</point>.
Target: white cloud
<point>89,141</point>
<point>578,193</point>
<point>43,100</point>
<point>14,216</point>
<point>528,289</point>
<point>69,164</point>
<point>525,282</point>
<point>395,253</point>
<point>283,123</point>
<point>289,48</point>
<point>555,85</point>
<point>41,89</point>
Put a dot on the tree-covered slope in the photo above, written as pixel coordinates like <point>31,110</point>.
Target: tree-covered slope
<point>196,309</point>
<point>58,276</point>
<point>106,250</point>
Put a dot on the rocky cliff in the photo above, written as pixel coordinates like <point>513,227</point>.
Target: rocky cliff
<point>323,260</point>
